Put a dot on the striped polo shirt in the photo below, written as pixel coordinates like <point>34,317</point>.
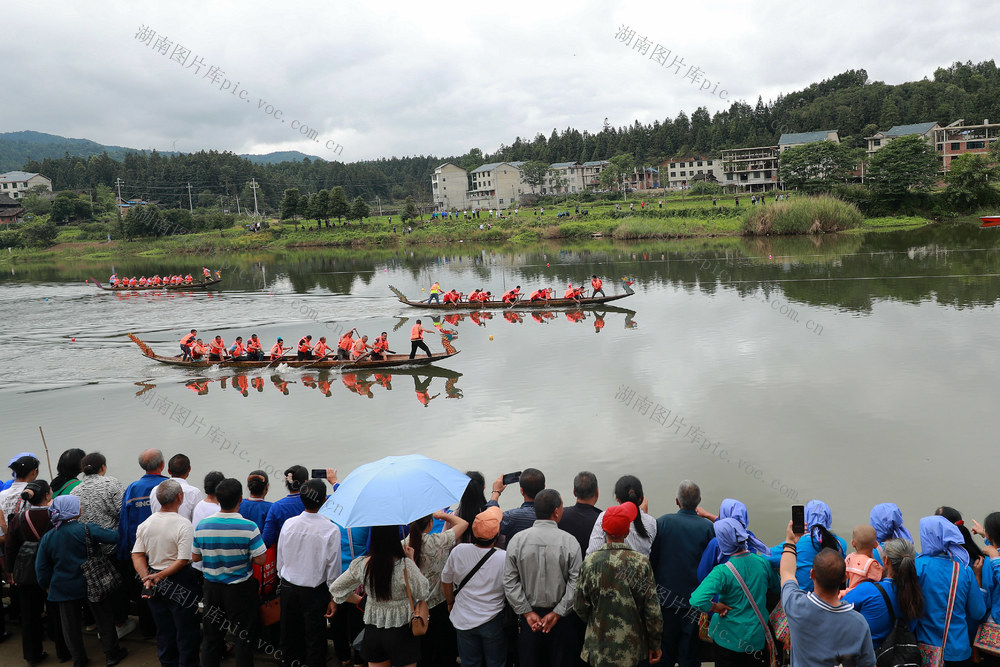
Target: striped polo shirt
<point>227,542</point>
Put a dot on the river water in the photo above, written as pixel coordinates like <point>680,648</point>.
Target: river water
<point>855,369</point>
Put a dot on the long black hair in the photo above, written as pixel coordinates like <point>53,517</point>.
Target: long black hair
<point>473,501</point>
<point>417,529</point>
<point>953,515</point>
<point>827,540</point>
<point>628,489</point>
<point>383,552</point>
<point>991,524</point>
<point>901,554</point>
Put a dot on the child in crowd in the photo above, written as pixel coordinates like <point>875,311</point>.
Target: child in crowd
<point>861,565</point>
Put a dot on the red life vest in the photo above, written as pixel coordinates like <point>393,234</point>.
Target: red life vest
<point>320,349</point>
<point>188,339</point>
<point>346,341</point>
<point>253,345</point>
<point>276,351</point>
<point>217,347</point>
<point>304,345</point>
<point>236,350</point>
<point>417,332</point>
<point>596,283</point>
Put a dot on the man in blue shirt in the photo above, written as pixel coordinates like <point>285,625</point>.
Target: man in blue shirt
<point>824,630</point>
<point>515,520</point>
<point>680,541</point>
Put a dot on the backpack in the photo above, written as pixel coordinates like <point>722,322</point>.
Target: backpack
<point>23,570</point>
<point>899,648</point>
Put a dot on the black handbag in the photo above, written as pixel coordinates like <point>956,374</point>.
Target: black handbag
<point>102,577</point>
<point>23,570</point>
<point>899,648</point>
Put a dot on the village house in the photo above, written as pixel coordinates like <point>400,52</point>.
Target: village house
<point>958,138</point>
<point>678,174</point>
<point>880,139</point>
<point>496,185</point>
<point>750,169</point>
<point>15,184</point>
<point>10,210</point>
<point>564,178</point>
<point>449,185</point>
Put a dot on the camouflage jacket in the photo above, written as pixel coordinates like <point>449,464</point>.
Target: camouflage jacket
<point>616,599</point>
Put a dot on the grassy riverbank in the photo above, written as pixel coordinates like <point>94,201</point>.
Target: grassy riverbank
<point>647,218</point>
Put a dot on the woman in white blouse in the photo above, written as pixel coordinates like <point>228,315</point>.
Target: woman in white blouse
<point>628,489</point>
<point>383,572</point>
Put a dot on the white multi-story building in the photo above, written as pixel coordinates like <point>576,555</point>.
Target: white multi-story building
<point>15,184</point>
<point>592,173</point>
<point>880,139</point>
<point>564,178</point>
<point>496,185</point>
<point>750,169</point>
<point>679,174</point>
<point>449,183</point>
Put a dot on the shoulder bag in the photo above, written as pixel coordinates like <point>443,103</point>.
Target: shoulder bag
<point>482,561</point>
<point>899,648</point>
<point>934,655</point>
<point>23,570</point>
<point>420,614</point>
<point>101,576</point>
<point>771,648</point>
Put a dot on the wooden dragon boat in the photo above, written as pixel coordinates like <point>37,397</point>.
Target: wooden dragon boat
<point>990,221</point>
<point>170,288</point>
<point>390,361</point>
<point>583,302</point>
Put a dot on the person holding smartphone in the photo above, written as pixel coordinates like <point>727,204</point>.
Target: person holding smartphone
<point>531,481</point>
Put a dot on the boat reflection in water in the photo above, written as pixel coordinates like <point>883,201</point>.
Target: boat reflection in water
<point>590,316</point>
<point>366,384</point>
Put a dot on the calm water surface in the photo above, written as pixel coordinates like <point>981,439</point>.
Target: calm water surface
<point>856,369</point>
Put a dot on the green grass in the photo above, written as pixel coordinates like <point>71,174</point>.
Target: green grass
<point>802,215</point>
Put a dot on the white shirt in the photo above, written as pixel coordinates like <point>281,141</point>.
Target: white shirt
<point>482,598</point>
<point>9,498</point>
<point>309,550</point>
<point>633,539</point>
<point>202,510</point>
<point>192,496</point>
<point>164,538</point>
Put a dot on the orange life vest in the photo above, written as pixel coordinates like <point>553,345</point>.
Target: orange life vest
<point>417,332</point>
<point>596,283</point>
<point>253,345</point>
<point>304,345</point>
<point>188,339</point>
<point>198,351</point>
<point>276,351</point>
<point>320,349</point>
<point>236,350</point>
<point>346,341</point>
<point>570,293</point>
<point>380,345</point>
<point>537,295</point>
<point>217,347</point>
<point>359,348</point>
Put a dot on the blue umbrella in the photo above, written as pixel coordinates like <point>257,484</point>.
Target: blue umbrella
<point>393,491</point>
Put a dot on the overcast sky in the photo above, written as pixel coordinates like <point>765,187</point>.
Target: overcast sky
<point>438,78</point>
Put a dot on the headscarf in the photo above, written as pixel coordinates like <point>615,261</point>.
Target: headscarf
<point>940,536</point>
<point>953,515</point>
<point>887,521</point>
<point>818,514</point>
<point>732,536</point>
<point>63,509</point>
<point>734,509</point>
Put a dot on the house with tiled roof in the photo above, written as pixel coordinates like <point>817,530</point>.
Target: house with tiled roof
<point>958,138</point>
<point>789,139</point>
<point>15,184</point>
<point>880,139</point>
<point>564,178</point>
<point>10,210</point>
<point>496,185</point>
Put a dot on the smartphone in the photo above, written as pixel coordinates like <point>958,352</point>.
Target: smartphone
<point>319,473</point>
<point>798,519</point>
<point>511,478</point>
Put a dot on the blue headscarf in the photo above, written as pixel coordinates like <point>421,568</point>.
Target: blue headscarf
<point>940,536</point>
<point>734,509</point>
<point>732,536</point>
<point>63,509</point>
<point>887,521</point>
<point>818,514</point>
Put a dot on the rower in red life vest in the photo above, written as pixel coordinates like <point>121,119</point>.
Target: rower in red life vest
<point>216,349</point>
<point>573,292</point>
<point>254,350</point>
<point>132,282</point>
<point>208,274</point>
<point>510,296</point>
<point>380,347</point>
<point>186,344</point>
<point>237,351</point>
<point>321,349</point>
<point>198,350</point>
<point>188,279</point>
<point>360,347</point>
<point>305,348</point>
<point>451,296</point>
<point>113,279</point>
<point>142,281</point>
<point>344,346</point>
<point>540,294</point>
<point>596,284</point>
<point>474,295</point>
<point>277,350</point>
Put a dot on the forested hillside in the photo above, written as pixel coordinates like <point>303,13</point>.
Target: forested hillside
<point>848,102</point>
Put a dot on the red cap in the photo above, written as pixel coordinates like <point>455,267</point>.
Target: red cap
<point>617,519</point>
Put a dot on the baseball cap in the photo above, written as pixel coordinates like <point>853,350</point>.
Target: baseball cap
<point>618,518</point>
<point>486,525</point>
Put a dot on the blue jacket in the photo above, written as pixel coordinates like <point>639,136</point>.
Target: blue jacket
<point>991,584</point>
<point>135,510</point>
<point>358,539</point>
<point>805,553</point>
<point>256,511</point>
<point>870,604</point>
<point>61,553</point>
<point>680,541</point>
<point>934,573</point>
<point>281,511</point>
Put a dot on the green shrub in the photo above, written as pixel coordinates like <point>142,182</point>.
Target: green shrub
<point>11,238</point>
<point>802,215</point>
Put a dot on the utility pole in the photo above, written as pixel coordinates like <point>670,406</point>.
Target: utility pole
<point>190,202</point>
<point>254,186</point>
<point>238,204</point>
<point>118,182</point>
